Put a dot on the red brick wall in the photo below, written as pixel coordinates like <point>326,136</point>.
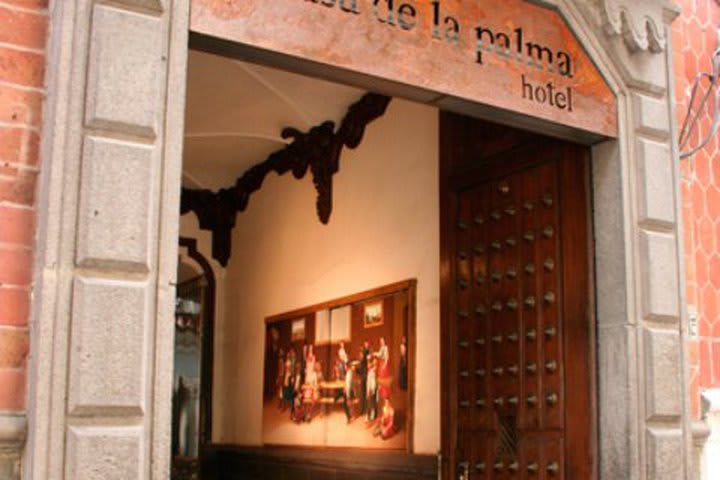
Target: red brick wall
<point>695,39</point>
<point>23,35</point>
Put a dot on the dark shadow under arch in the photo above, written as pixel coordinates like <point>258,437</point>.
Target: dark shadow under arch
<point>207,347</point>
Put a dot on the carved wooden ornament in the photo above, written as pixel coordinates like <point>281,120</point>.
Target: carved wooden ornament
<point>318,150</point>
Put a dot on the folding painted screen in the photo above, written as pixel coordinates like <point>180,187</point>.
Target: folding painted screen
<point>339,374</point>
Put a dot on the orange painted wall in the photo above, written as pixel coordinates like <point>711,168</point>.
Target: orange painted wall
<point>23,36</point>
<point>695,39</point>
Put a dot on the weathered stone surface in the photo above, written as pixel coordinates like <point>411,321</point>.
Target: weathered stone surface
<point>666,457</point>
<point>658,269</point>
<point>617,394</point>
<point>610,248</point>
<point>640,66</point>
<point>641,23</point>
<point>104,453</point>
<point>10,466</point>
<point>108,364</point>
<point>655,181</point>
<point>12,436</point>
<point>13,428</point>
<point>117,208</point>
<point>153,5</point>
<point>125,72</point>
<point>108,79</point>
<point>663,393</point>
<point>652,115</point>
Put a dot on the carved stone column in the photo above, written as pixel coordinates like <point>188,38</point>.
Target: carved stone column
<point>643,418</point>
<point>12,436</point>
<point>99,402</point>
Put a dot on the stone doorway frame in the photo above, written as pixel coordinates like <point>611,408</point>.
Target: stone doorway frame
<point>99,385</point>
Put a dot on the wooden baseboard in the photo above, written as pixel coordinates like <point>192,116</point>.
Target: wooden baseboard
<point>225,462</point>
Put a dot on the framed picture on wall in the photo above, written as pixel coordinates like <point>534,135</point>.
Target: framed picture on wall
<point>341,324</point>
<point>349,383</point>
<point>373,314</point>
<point>297,330</point>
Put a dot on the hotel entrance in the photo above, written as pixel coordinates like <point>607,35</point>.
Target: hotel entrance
<point>421,218</point>
<point>334,284</point>
<point>326,300</point>
<point>406,276</point>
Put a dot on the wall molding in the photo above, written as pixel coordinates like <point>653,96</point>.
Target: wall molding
<point>13,428</point>
<point>260,463</point>
<point>641,23</point>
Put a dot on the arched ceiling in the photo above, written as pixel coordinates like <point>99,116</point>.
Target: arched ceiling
<point>235,112</point>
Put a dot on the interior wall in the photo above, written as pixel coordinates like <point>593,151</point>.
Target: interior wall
<point>384,228</point>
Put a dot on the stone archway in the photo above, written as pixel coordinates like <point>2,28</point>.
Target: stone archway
<point>113,148</point>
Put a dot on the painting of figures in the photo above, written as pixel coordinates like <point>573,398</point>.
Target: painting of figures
<point>347,381</point>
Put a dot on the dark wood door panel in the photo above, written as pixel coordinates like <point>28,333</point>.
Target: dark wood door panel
<point>518,343</point>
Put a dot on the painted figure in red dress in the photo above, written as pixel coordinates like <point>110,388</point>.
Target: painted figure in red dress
<point>386,427</point>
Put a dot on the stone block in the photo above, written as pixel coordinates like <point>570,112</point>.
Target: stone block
<point>665,453</point>
<point>152,5</point>
<point>104,453</point>
<point>652,116</point>
<point>663,393</point>
<point>658,268</point>
<point>13,428</point>
<point>125,71</point>
<point>10,466</point>
<point>108,363</point>
<point>117,205</point>
<point>655,182</point>
<point>610,245</point>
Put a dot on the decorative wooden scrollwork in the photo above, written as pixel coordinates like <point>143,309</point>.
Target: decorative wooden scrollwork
<point>317,150</point>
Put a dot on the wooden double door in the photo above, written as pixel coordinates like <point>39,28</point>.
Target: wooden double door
<point>518,343</point>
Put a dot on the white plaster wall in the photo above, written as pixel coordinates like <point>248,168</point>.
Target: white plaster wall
<point>384,228</point>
